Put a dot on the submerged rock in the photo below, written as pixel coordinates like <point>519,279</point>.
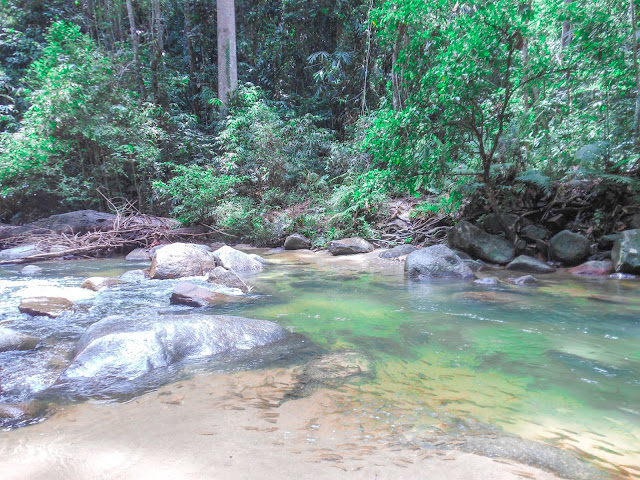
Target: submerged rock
<point>622,276</point>
<point>31,270</point>
<point>436,261</point>
<point>233,259</point>
<point>297,242</point>
<point>181,260</point>
<point>330,370</point>
<point>190,294</point>
<point>398,251</point>
<point>227,278</point>
<point>524,263</point>
<point>595,268</point>
<point>480,244</point>
<point>487,281</point>
<point>134,276</point>
<point>524,280</point>
<point>45,306</point>
<point>12,340</point>
<point>626,252</point>
<point>122,348</point>
<point>569,248</point>
<point>98,283</point>
<point>350,246</point>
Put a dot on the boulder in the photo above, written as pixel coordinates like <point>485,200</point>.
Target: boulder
<point>436,261</point>
<point>523,263</point>
<point>350,246</point>
<point>474,265</point>
<point>480,244</point>
<point>12,340</point>
<point>531,233</point>
<point>139,255</point>
<point>45,306</point>
<point>238,261</point>
<point>98,283</point>
<point>31,270</point>
<point>20,252</point>
<point>569,248</point>
<point>491,224</point>
<point>297,242</point>
<point>121,348</point>
<point>331,369</point>
<point>227,278</point>
<point>525,280</point>
<point>398,251</point>
<point>606,242</point>
<point>595,268</point>
<point>190,294</point>
<point>79,222</point>
<point>626,252</point>
<point>134,276</point>
<point>181,260</point>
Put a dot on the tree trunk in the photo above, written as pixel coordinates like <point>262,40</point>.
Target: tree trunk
<point>636,116</point>
<point>157,30</point>
<point>396,78</point>
<point>134,45</point>
<point>194,85</point>
<point>227,60</point>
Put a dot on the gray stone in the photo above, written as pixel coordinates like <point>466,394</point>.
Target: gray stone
<point>474,265</point>
<point>622,276</point>
<point>12,340</point>
<point>181,260</point>
<point>480,244</point>
<point>491,224</point>
<point>626,252</point>
<point>98,283</point>
<point>31,270</point>
<point>139,255</point>
<point>20,252</point>
<point>436,261</point>
<point>45,306</point>
<point>190,294</point>
<point>398,251</point>
<point>227,278</point>
<point>350,246</point>
<point>525,280</point>
<point>486,281</point>
<point>569,248</point>
<point>121,348</point>
<point>531,233</point>
<point>134,276</point>
<point>297,242</point>
<point>524,263</point>
<point>593,268</point>
<point>238,261</point>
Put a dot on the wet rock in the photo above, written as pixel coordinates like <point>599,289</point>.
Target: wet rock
<point>238,261</point>
<point>98,283</point>
<point>227,278</point>
<point>398,251</point>
<point>297,242</point>
<point>45,306</point>
<point>480,244</point>
<point>594,267</point>
<point>606,242</point>
<point>524,280</point>
<point>491,224</point>
<point>20,252</point>
<point>350,246</point>
<point>475,265</point>
<point>190,294</point>
<point>31,270</point>
<point>524,263</point>
<point>12,340</point>
<point>626,252</point>
<point>569,248</point>
<point>121,348</point>
<point>531,233</point>
<point>486,297</point>
<point>330,370</point>
<point>134,276</point>
<point>487,281</point>
<point>79,222</point>
<point>181,260</point>
<point>622,276</point>
<point>139,255</point>
<point>436,261</point>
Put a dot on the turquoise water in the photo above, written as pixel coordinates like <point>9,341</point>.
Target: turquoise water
<point>558,363</point>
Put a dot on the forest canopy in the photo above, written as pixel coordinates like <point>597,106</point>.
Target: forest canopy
<point>340,106</point>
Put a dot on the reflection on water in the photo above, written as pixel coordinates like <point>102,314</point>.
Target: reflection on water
<point>559,362</point>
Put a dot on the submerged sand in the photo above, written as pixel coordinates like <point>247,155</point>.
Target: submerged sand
<point>232,426</point>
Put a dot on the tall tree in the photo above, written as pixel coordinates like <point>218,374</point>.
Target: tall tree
<point>227,60</point>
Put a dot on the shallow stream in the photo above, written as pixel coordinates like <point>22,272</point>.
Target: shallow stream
<point>557,363</point>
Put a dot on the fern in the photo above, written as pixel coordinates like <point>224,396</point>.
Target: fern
<point>536,178</point>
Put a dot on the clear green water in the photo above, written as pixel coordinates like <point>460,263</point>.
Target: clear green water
<point>559,362</point>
